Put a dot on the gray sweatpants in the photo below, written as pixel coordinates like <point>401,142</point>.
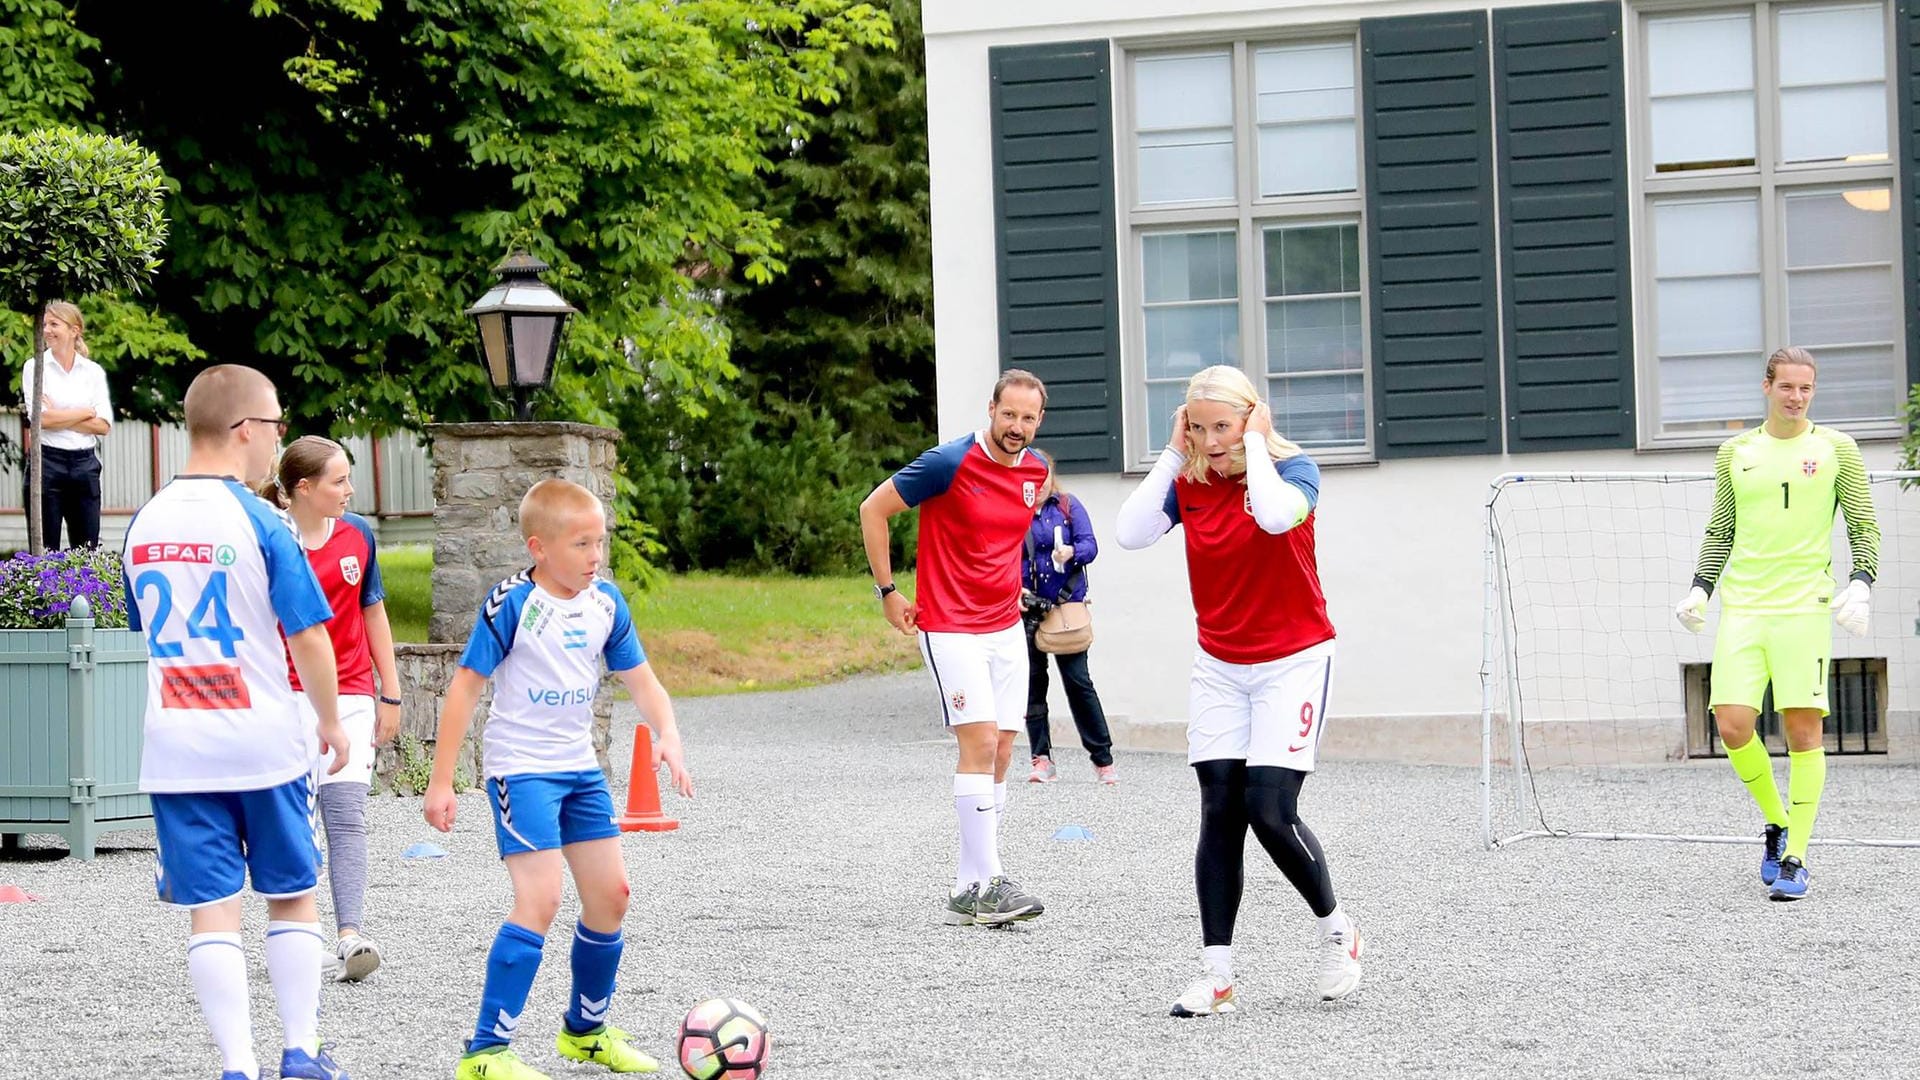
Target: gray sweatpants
<point>343,811</point>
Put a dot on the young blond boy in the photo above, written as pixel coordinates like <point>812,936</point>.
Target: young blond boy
<point>539,638</point>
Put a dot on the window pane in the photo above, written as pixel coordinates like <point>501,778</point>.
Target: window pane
<point>1189,266</point>
<point>1305,159</point>
<point>1702,393</point>
<point>1832,45</point>
<point>1833,123</point>
<point>1305,108</point>
<point>1162,399</point>
<point>1838,306</point>
<point>1183,114</point>
<point>1855,384</point>
<point>1709,315</point>
<point>1700,82</point>
<point>1313,335</point>
<point>1320,411</point>
<point>1833,228</point>
<point>1183,92</point>
<point>1719,236</point>
<point>1182,340</point>
<point>1186,166</point>
<point>1313,259</point>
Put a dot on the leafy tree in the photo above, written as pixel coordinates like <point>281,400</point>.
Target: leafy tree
<point>79,213</point>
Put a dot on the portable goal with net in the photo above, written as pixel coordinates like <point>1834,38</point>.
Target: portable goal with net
<point>1595,721</point>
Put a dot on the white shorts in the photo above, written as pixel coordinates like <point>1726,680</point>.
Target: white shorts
<point>1269,714</point>
<point>356,715</point>
<point>982,678</point>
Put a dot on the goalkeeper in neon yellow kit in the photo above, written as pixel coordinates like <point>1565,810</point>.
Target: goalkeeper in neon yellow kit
<point>1769,551</point>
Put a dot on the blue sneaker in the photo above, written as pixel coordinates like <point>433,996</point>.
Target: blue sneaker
<point>1792,882</point>
<point>319,1065</point>
<point>1775,843</point>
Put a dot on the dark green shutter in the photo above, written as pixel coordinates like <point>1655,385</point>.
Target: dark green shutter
<point>1906,29</point>
<point>1055,242</point>
<point>1566,282</point>
<point>1430,253</point>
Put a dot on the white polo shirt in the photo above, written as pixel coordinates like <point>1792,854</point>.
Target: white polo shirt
<point>85,387</point>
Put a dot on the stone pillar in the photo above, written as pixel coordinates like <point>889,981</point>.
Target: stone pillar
<point>480,472</point>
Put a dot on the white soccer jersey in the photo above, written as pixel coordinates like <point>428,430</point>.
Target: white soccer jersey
<point>543,655</point>
<point>212,575</point>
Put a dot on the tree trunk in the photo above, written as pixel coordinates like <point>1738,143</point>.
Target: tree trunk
<point>36,528</point>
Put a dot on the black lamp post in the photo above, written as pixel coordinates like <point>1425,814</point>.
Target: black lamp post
<point>520,321</point>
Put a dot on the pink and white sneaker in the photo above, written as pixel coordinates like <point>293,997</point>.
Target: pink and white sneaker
<point>1043,771</point>
<point>1106,774</point>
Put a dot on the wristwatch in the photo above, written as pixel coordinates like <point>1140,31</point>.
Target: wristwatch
<point>880,591</point>
<point>385,700</point>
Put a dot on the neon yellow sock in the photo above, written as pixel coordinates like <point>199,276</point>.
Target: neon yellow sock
<point>1755,769</point>
<point>1806,778</point>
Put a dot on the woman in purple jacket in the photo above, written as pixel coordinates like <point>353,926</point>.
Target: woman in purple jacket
<point>1060,544</point>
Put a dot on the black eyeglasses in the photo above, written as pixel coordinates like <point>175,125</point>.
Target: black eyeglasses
<point>279,424</point>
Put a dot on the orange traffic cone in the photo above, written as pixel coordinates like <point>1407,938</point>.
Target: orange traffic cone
<point>643,789</point>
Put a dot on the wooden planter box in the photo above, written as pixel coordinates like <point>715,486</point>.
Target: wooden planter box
<point>72,711</point>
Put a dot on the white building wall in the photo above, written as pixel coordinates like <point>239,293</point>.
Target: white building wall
<point>1400,542</point>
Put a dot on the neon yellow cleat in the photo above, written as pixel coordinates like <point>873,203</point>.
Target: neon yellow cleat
<point>500,1064</point>
<point>608,1046</point>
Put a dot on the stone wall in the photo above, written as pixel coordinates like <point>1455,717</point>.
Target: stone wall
<point>480,472</point>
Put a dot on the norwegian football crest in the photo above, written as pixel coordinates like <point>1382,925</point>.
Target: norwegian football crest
<point>1809,466</point>
<point>959,700</point>
<point>350,569</point>
<point>1027,492</point>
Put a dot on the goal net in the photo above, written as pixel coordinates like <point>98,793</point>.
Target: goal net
<point>1594,714</point>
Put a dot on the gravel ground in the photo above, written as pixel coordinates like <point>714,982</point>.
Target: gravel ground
<point>807,876</point>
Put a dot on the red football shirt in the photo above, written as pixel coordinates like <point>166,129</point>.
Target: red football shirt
<point>1256,596</point>
<point>350,576</point>
<point>974,514</point>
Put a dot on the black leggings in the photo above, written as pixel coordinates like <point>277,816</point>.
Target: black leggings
<point>1233,798</point>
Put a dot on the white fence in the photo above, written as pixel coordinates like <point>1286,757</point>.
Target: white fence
<point>392,480</point>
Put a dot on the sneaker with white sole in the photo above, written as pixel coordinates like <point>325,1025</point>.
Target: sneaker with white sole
<point>959,910</point>
<point>1043,771</point>
<point>1340,962</point>
<point>355,957</point>
<point>1003,901</point>
<point>1208,995</point>
<point>1106,774</point>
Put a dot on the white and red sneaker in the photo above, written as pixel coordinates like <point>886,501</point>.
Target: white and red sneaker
<point>1208,995</point>
<point>1340,962</point>
<point>1106,774</point>
<point>1043,771</point>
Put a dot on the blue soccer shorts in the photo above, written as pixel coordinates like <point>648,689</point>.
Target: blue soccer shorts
<point>543,811</point>
<point>211,842</point>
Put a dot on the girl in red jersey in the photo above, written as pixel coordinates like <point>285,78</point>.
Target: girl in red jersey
<point>312,482</point>
<point>1259,687</point>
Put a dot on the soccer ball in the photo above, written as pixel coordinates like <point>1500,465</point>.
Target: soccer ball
<point>723,1039</point>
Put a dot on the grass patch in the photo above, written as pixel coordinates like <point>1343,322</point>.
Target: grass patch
<point>407,573</point>
<point>715,633</point>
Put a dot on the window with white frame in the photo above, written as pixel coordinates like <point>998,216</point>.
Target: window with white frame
<point>1244,213</point>
<point>1769,214</point>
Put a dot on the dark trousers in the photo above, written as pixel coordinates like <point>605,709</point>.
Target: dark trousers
<point>69,494</point>
<point>1088,716</point>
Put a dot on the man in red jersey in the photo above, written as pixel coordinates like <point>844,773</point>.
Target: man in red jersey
<point>976,496</point>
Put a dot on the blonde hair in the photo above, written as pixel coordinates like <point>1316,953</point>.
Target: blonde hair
<point>1229,385</point>
<point>305,458</point>
<point>217,397</point>
<point>69,314</point>
<point>1791,354</point>
<point>548,503</point>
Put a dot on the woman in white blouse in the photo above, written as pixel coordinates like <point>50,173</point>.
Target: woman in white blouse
<point>74,412</point>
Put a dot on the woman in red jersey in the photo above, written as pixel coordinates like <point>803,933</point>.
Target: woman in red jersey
<point>1258,694</point>
<point>312,482</point>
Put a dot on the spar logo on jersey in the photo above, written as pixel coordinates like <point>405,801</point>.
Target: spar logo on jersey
<point>350,569</point>
<point>1809,466</point>
<point>160,551</point>
<point>1027,492</point>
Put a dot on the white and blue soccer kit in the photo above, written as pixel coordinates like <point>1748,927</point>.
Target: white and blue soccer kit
<point>212,576</point>
<point>543,655</point>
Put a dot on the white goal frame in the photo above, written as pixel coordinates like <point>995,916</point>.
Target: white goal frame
<point>1499,650</point>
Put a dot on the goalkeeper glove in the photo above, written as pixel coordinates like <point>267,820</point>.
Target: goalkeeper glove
<point>1692,612</point>
<point>1851,608</point>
